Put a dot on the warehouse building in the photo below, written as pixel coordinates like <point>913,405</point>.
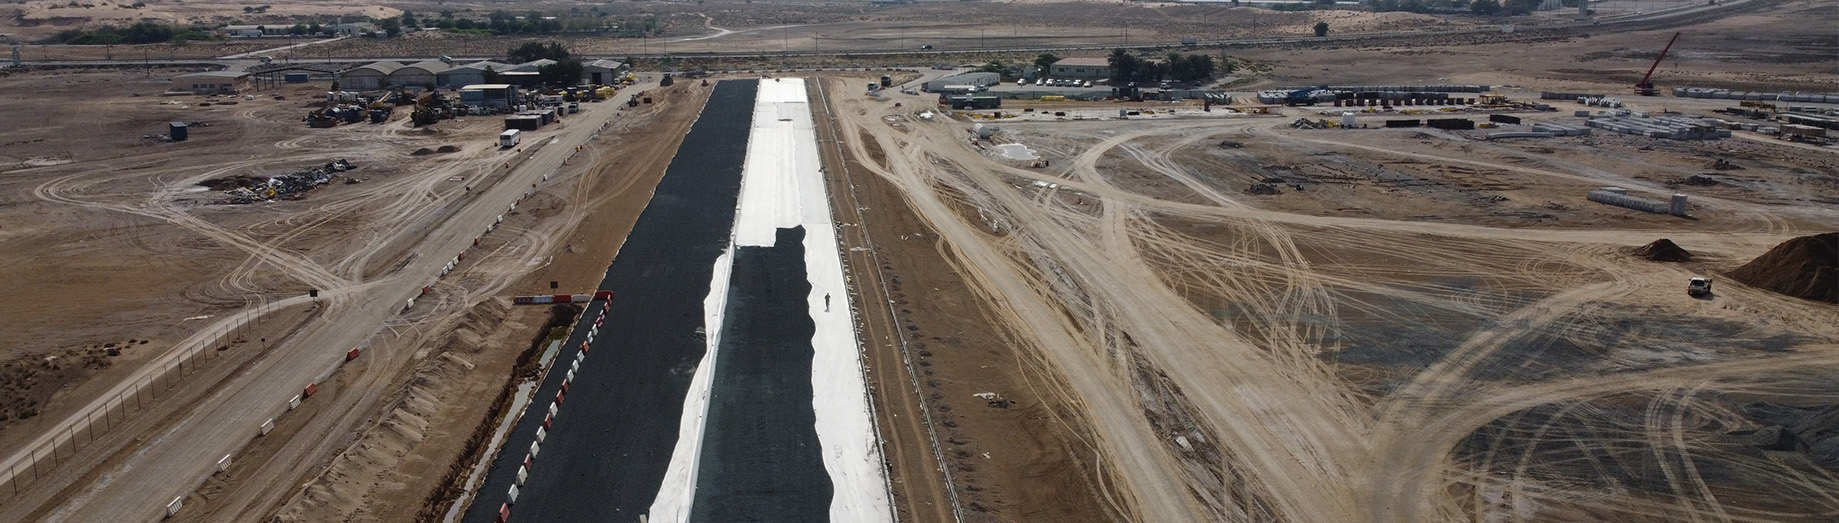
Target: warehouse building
<point>371,76</point>
<point>602,71</point>
<point>211,82</point>
<point>469,74</point>
<point>419,74</point>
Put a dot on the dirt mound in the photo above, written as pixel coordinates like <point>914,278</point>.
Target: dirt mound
<point>1663,250</point>
<point>447,149</point>
<point>422,152</point>
<point>1806,267</point>
<point>1697,180</point>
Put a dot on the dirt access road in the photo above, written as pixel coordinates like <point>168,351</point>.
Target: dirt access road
<point>360,297</point>
<point>1237,363</point>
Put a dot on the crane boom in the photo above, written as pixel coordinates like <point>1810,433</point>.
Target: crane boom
<point>1646,87</point>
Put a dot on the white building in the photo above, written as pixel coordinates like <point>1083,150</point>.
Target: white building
<point>1081,68</point>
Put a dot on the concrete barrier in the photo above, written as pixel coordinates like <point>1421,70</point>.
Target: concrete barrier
<point>268,426</point>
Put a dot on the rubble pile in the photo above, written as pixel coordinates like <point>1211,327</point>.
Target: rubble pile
<point>248,189</point>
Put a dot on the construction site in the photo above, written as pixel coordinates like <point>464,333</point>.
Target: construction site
<point>1575,265</point>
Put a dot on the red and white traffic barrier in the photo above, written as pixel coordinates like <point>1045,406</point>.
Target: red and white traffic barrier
<point>544,299</point>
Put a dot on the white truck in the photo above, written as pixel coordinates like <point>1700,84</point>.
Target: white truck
<point>510,138</point>
<point>1698,287</point>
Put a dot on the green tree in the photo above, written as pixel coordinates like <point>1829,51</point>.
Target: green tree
<point>297,30</point>
<point>1520,7</point>
<point>1045,61</point>
<point>533,51</point>
<point>1485,7</point>
<point>1324,3</point>
<point>390,26</point>
<point>408,19</point>
<point>1321,28</point>
<point>564,72</point>
<point>1124,65</point>
<point>314,28</point>
<point>1200,66</point>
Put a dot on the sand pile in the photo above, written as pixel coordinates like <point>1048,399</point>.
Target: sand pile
<point>1663,250</point>
<point>1806,267</point>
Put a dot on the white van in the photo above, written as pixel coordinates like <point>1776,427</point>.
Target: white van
<point>510,138</point>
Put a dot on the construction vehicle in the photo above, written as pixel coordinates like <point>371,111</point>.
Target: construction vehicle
<point>430,107</point>
<point>666,81</point>
<point>1646,86</point>
<point>1698,287</point>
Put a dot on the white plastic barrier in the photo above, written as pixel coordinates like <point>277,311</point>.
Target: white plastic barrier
<point>535,447</point>
<point>223,464</point>
<point>292,404</point>
<point>173,508</point>
<point>268,426</point>
<point>511,496</point>
<point>523,474</point>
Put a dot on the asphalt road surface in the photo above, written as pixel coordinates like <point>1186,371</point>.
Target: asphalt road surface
<point>605,455</point>
<point>760,456</point>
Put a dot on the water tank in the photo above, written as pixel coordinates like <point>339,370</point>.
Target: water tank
<point>983,131</point>
<point>1347,120</point>
<point>1678,206</point>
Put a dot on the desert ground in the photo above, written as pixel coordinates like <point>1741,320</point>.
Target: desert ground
<point>1184,315</point>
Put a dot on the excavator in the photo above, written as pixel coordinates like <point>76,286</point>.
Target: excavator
<point>1646,86</point>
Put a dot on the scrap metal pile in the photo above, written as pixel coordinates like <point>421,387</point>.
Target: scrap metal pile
<point>246,189</point>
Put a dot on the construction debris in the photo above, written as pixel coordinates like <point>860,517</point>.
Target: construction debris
<point>249,189</point>
<point>1669,127</point>
<point>1305,123</point>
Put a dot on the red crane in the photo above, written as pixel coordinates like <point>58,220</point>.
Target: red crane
<point>1646,86</point>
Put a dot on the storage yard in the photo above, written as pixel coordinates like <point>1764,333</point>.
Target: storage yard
<point>1467,276</point>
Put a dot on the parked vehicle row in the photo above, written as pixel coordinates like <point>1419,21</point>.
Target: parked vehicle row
<point>1055,82</point>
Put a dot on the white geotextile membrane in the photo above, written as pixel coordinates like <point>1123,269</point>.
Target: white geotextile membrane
<point>782,187</point>
<point>679,486</point>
